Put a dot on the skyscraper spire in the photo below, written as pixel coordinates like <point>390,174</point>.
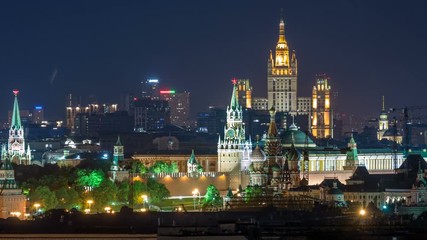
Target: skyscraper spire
<point>16,118</point>
<point>282,31</point>
<point>272,128</point>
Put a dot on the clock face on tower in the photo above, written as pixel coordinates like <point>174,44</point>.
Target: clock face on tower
<point>230,133</point>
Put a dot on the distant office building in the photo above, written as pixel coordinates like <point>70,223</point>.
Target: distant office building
<point>282,76</point>
<point>150,88</point>
<point>38,115</point>
<point>179,104</point>
<point>91,125</point>
<point>260,104</point>
<point>151,114</point>
<point>109,108</point>
<point>72,110</point>
<point>322,121</point>
<point>244,93</point>
<point>213,121</point>
<point>126,102</point>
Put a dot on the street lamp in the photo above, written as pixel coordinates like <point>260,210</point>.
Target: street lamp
<point>107,209</point>
<point>90,203</point>
<point>195,193</point>
<point>144,199</point>
<point>37,205</point>
<point>362,212</point>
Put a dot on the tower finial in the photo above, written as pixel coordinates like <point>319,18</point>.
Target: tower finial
<point>383,104</point>
<point>281,14</point>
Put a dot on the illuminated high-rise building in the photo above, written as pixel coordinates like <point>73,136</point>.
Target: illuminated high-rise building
<point>322,121</point>
<point>244,93</point>
<point>150,88</point>
<point>38,114</point>
<point>179,103</point>
<point>282,76</point>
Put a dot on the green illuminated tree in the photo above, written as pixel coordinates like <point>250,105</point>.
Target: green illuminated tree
<point>67,198</point>
<point>105,194</point>
<point>89,178</point>
<point>156,191</point>
<point>138,167</point>
<point>212,197</point>
<point>123,192</point>
<point>252,192</point>
<point>162,167</point>
<point>44,196</point>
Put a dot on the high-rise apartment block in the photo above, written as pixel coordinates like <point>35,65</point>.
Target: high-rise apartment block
<point>322,120</point>
<point>244,93</point>
<point>150,88</point>
<point>282,76</point>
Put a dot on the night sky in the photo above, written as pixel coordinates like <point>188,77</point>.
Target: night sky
<point>104,48</point>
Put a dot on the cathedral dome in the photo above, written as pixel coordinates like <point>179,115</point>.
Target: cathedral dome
<point>297,137</point>
<point>257,155</point>
<point>391,131</point>
<point>293,154</point>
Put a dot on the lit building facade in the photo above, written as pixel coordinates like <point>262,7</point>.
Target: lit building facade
<point>322,121</point>
<point>150,114</point>
<point>179,104</point>
<point>282,76</point>
<point>150,88</point>
<point>244,93</point>
<point>260,104</point>
<point>38,114</point>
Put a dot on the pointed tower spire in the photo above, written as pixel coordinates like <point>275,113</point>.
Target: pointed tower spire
<point>16,118</point>
<point>272,128</point>
<point>118,142</point>
<point>282,29</point>
<point>234,104</point>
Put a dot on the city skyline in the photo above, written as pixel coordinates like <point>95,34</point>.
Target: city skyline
<point>106,48</point>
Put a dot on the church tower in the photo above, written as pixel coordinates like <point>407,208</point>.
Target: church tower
<point>234,150</point>
<point>16,151</point>
<point>118,155</point>
<point>352,159</point>
<point>282,76</point>
<point>382,123</point>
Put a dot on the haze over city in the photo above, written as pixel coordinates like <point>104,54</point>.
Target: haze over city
<point>104,48</point>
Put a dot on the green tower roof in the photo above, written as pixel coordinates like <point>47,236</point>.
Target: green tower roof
<point>118,143</point>
<point>16,118</point>
<point>192,160</point>
<point>234,104</point>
